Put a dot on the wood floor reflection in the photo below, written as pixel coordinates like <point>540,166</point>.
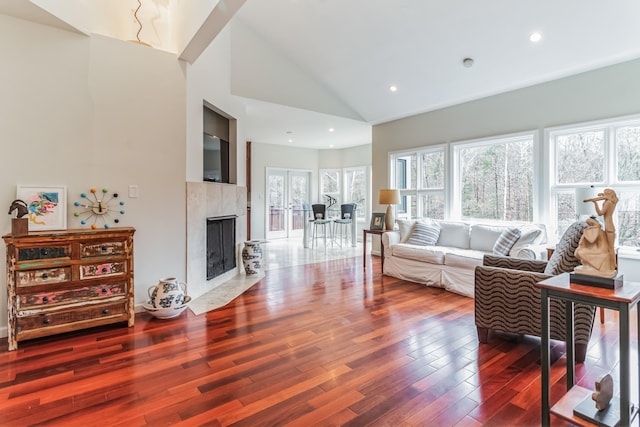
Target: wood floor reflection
<point>318,344</point>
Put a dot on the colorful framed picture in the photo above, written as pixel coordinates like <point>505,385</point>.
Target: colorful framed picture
<point>46,205</point>
<point>377,221</point>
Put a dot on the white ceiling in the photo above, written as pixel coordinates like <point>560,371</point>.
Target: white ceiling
<point>331,62</point>
<point>356,49</point>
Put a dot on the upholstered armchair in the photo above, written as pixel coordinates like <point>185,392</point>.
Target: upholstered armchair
<point>508,300</point>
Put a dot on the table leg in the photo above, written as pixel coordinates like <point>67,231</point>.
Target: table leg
<point>544,357</point>
<point>364,249</point>
<point>570,344</point>
<point>625,389</point>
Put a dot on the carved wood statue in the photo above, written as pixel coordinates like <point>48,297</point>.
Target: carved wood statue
<point>20,207</point>
<point>596,248</point>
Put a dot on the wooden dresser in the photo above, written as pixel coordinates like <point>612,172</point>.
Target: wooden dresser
<point>62,281</point>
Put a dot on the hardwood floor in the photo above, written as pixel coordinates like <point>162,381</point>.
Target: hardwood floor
<point>320,344</point>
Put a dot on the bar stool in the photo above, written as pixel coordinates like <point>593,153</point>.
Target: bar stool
<point>347,216</point>
<point>320,219</point>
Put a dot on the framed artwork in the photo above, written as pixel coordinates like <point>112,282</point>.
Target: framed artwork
<point>46,205</point>
<point>377,221</point>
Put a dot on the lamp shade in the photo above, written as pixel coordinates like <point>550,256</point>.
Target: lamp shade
<point>585,193</point>
<point>389,197</point>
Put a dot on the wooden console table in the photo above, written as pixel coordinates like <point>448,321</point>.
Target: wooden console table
<point>364,247</point>
<point>622,300</point>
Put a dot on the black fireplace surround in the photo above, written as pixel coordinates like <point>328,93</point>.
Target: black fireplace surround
<point>221,245</point>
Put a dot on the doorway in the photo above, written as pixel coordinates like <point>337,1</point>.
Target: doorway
<point>287,191</point>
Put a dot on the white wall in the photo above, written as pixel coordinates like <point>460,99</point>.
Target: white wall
<point>607,92</point>
<point>92,111</point>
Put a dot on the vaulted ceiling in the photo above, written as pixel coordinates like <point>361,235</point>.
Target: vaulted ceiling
<point>303,67</point>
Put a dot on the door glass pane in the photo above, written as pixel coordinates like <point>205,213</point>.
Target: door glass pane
<point>276,202</point>
<point>299,185</point>
<point>330,191</point>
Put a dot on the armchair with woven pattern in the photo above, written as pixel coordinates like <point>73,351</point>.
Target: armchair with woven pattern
<point>508,300</point>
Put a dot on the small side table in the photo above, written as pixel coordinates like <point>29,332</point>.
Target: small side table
<point>622,300</point>
<point>364,247</point>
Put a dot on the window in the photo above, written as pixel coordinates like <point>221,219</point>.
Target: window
<point>356,189</point>
<point>330,188</point>
<point>602,154</point>
<point>420,177</point>
<point>494,178</point>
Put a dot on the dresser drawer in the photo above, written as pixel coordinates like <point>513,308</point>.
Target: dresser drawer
<point>60,318</point>
<point>105,269</point>
<point>45,252</point>
<point>42,300</point>
<point>93,250</point>
<point>44,276</point>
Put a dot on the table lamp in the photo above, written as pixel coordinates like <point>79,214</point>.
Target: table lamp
<point>389,197</point>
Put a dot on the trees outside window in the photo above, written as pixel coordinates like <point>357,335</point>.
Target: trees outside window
<point>495,178</point>
<point>605,155</point>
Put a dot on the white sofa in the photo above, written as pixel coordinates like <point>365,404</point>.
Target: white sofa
<point>460,247</point>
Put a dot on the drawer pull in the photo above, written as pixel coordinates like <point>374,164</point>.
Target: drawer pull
<point>104,270</point>
<point>44,251</point>
<point>104,290</point>
<point>45,322</point>
<point>103,249</point>
<point>105,311</point>
<point>45,275</point>
<point>45,299</point>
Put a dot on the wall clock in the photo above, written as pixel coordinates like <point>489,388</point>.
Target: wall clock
<point>98,208</point>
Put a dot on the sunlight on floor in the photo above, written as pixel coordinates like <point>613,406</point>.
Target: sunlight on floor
<point>281,253</point>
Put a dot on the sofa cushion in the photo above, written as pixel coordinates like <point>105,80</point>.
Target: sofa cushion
<point>505,242</point>
<point>483,237</point>
<point>404,227</point>
<point>563,259</point>
<point>453,234</point>
<point>529,235</point>
<point>424,234</point>
<point>430,254</point>
<point>463,258</point>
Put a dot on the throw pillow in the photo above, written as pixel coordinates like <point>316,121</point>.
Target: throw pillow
<point>563,259</point>
<point>424,234</point>
<point>505,242</point>
<point>405,226</point>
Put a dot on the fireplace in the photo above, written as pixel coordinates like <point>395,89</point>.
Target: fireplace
<point>221,245</point>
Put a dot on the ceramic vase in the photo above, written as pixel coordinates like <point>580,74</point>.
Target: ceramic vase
<point>168,293</point>
<point>252,256</point>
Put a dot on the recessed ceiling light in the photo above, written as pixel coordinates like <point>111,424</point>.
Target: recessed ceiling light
<point>291,140</point>
<point>535,37</point>
<point>467,62</point>
<point>331,129</point>
<point>331,146</point>
<point>393,88</point>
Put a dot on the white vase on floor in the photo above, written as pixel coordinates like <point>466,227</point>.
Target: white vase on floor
<point>252,256</point>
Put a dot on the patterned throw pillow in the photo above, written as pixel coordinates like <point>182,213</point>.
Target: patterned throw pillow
<point>563,259</point>
<point>424,234</point>
<point>505,242</point>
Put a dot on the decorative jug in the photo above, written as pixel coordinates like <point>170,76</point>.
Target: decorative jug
<point>168,293</point>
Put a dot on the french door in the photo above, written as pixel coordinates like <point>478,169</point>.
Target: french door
<point>287,191</point>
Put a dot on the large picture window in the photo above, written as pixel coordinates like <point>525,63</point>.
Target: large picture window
<point>494,178</point>
<point>601,154</point>
<point>512,178</point>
